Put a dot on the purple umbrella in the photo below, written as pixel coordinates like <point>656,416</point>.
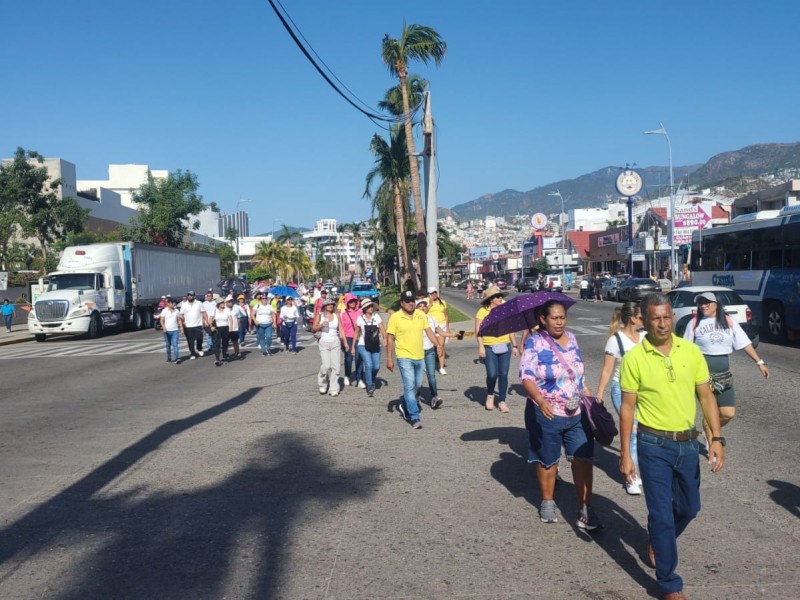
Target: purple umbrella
<point>519,313</point>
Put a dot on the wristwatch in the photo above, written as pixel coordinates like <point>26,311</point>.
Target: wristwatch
<point>721,440</point>
<point>760,362</point>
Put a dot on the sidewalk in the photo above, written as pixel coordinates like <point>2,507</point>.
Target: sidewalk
<point>19,333</point>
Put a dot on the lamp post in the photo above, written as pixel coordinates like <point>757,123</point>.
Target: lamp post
<point>563,238</point>
<point>673,267</point>
<point>238,231</point>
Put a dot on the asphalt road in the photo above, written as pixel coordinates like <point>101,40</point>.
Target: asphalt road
<point>126,477</point>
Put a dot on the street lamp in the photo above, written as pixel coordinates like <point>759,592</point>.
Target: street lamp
<point>673,267</point>
<point>238,231</point>
<point>563,238</point>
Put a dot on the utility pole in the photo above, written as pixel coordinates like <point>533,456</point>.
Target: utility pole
<point>429,168</point>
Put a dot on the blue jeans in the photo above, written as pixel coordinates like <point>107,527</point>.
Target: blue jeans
<point>411,374</point>
<point>371,362</point>
<point>243,324</point>
<point>7,319</point>
<point>171,340</point>
<point>349,372</point>
<point>670,474</point>
<point>430,371</point>
<point>289,334</point>
<point>497,372</point>
<point>264,337</point>
<point>616,400</point>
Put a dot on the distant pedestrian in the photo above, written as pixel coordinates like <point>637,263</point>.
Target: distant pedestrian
<point>439,310</point>
<point>432,351</point>
<point>405,330</point>
<point>171,326</point>
<point>221,328</point>
<point>263,315</point>
<point>584,289</point>
<point>289,317</point>
<point>243,312</point>
<point>496,353</point>
<point>353,364</point>
<point>470,290</point>
<point>192,321</point>
<point>209,306</point>
<point>233,334</point>
<point>370,334</point>
<point>330,347</point>
<point>8,314</point>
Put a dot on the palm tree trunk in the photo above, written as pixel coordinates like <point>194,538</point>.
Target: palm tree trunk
<point>416,187</point>
<point>403,256</point>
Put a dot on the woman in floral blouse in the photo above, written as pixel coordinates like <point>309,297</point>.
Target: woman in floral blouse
<point>552,372</point>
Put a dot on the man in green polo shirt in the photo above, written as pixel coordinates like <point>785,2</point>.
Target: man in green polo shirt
<point>659,379</point>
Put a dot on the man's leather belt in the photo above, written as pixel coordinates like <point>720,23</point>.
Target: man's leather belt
<point>676,436</point>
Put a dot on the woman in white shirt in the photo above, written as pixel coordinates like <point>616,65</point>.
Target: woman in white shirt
<point>221,321</point>
<point>624,334</point>
<point>171,325</point>
<point>263,316</point>
<point>233,334</point>
<point>330,345</point>
<point>717,336</point>
<point>369,334</point>
<point>289,316</point>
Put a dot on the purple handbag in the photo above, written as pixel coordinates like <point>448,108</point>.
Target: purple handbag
<point>600,420</point>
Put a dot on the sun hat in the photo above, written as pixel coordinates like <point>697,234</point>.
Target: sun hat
<point>366,302</point>
<point>240,296</point>
<point>492,292</point>
<point>421,301</point>
<point>329,302</point>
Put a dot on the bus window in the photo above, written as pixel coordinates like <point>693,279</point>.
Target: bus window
<point>713,254</point>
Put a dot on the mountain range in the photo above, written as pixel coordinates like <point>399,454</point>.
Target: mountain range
<point>733,173</point>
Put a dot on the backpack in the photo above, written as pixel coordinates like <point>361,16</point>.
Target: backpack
<point>372,337</point>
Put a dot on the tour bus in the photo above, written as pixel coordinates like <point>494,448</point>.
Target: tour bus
<point>758,256</point>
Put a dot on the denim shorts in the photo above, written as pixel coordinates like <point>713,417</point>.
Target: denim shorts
<point>546,436</point>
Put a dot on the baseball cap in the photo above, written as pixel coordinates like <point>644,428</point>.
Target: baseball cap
<point>710,296</point>
<point>407,296</point>
<point>421,301</point>
<point>163,297</point>
<point>432,290</point>
<point>190,293</point>
<point>328,302</point>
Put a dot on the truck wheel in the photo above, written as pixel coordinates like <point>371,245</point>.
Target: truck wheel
<point>138,321</point>
<point>775,322</point>
<point>95,327</point>
<point>148,320</point>
<point>39,337</point>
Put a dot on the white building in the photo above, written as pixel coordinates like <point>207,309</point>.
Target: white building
<point>341,247</point>
<point>124,180</point>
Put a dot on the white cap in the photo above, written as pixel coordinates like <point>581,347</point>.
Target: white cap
<point>432,289</point>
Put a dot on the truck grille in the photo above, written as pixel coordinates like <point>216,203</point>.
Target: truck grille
<point>51,310</point>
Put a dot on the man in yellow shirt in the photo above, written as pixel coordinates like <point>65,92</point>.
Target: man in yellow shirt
<point>659,379</point>
<point>404,331</point>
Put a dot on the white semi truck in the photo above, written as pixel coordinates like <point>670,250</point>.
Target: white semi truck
<point>113,285</point>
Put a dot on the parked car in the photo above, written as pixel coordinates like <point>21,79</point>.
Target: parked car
<point>610,288</point>
<point>527,284</point>
<point>685,308</point>
<point>553,283</point>
<point>636,288</point>
<point>365,289</point>
<point>666,284</point>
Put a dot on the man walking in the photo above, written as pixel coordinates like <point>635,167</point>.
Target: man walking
<point>192,320</point>
<point>659,379</point>
<point>405,330</point>
<point>209,306</point>
<point>171,325</point>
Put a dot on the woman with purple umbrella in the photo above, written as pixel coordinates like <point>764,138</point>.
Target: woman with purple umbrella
<point>552,372</point>
<point>495,350</point>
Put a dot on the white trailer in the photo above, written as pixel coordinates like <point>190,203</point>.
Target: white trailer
<point>101,286</point>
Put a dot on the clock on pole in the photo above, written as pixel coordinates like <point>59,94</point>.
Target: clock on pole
<point>629,183</point>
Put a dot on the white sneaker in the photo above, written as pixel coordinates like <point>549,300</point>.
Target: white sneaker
<point>334,392</point>
<point>634,488</point>
<point>442,371</point>
<point>323,389</point>
<point>362,385</point>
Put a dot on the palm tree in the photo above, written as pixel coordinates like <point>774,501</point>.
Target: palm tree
<point>391,166</point>
<point>417,42</point>
<point>393,97</point>
<point>272,256</point>
<point>355,231</point>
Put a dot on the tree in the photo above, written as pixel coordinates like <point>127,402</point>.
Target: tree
<point>424,44</point>
<point>165,209</point>
<point>449,251</point>
<point>272,256</point>
<point>227,259</point>
<point>392,168</point>
<point>31,199</point>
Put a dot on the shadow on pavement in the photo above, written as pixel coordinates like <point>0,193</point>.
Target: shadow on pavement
<point>476,394</point>
<point>230,536</point>
<point>786,495</point>
<point>621,530</point>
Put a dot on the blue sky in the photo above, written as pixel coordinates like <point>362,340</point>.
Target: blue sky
<point>529,93</point>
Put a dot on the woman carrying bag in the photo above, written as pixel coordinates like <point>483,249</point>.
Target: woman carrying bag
<point>370,335</point>
<point>330,347</point>
<point>496,352</point>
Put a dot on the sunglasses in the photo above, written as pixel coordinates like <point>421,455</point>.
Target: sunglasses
<point>670,370</point>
